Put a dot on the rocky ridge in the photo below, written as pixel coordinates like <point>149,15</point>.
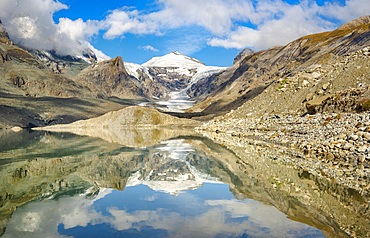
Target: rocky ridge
<point>255,73</point>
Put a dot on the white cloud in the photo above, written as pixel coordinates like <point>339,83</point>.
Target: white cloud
<point>226,23</point>
<point>99,54</point>
<point>237,23</point>
<point>195,217</point>
<point>283,23</point>
<point>30,23</point>
<point>120,22</point>
<point>149,48</point>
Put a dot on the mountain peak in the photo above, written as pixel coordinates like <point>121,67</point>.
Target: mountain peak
<point>355,23</point>
<point>174,59</point>
<point>242,54</point>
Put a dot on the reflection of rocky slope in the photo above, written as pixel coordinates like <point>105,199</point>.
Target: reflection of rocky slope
<point>267,175</point>
<point>307,65</point>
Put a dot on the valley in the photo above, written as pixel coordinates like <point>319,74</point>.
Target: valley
<point>288,126</point>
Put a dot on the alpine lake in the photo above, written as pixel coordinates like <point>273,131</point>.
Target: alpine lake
<point>163,183</point>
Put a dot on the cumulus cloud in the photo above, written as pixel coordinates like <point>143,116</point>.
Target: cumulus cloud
<point>149,48</point>
<point>237,23</point>
<point>222,23</point>
<point>30,23</point>
<point>217,16</point>
<point>284,23</point>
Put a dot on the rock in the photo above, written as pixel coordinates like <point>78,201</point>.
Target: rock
<point>342,136</point>
<point>316,75</point>
<point>305,82</point>
<point>16,129</point>
<point>362,148</point>
<point>309,96</point>
<point>354,137</point>
<point>347,146</point>
<point>245,52</point>
<point>325,86</point>
<point>316,103</point>
<point>330,156</point>
<point>366,135</point>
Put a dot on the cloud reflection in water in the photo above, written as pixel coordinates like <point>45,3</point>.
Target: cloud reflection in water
<point>190,214</point>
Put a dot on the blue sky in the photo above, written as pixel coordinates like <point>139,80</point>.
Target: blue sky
<point>213,31</point>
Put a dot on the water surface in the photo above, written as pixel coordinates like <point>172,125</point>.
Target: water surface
<point>159,184</point>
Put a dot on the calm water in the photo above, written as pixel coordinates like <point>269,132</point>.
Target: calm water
<point>159,184</point>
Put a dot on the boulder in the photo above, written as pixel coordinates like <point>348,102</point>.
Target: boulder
<point>316,103</point>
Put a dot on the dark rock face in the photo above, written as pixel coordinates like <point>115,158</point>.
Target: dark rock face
<point>4,56</point>
<point>169,78</point>
<point>10,117</point>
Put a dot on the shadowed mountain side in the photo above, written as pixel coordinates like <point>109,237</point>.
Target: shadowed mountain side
<point>231,88</point>
<point>26,112</point>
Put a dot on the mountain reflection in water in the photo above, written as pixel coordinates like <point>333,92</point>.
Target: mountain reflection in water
<point>161,183</point>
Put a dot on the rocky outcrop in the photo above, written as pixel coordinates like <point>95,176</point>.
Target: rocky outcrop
<point>245,52</point>
<point>4,36</point>
<point>110,79</point>
<point>11,117</point>
<point>4,56</point>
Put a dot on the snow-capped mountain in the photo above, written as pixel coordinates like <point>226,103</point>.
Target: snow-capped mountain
<point>172,75</point>
<point>174,59</point>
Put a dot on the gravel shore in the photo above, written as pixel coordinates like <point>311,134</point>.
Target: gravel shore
<point>336,146</point>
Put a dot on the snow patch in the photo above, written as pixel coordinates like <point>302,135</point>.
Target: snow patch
<point>135,70</point>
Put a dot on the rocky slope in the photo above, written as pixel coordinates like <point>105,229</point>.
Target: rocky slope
<point>310,59</point>
<point>110,79</point>
<point>35,73</point>
<point>134,116</point>
<point>23,73</point>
